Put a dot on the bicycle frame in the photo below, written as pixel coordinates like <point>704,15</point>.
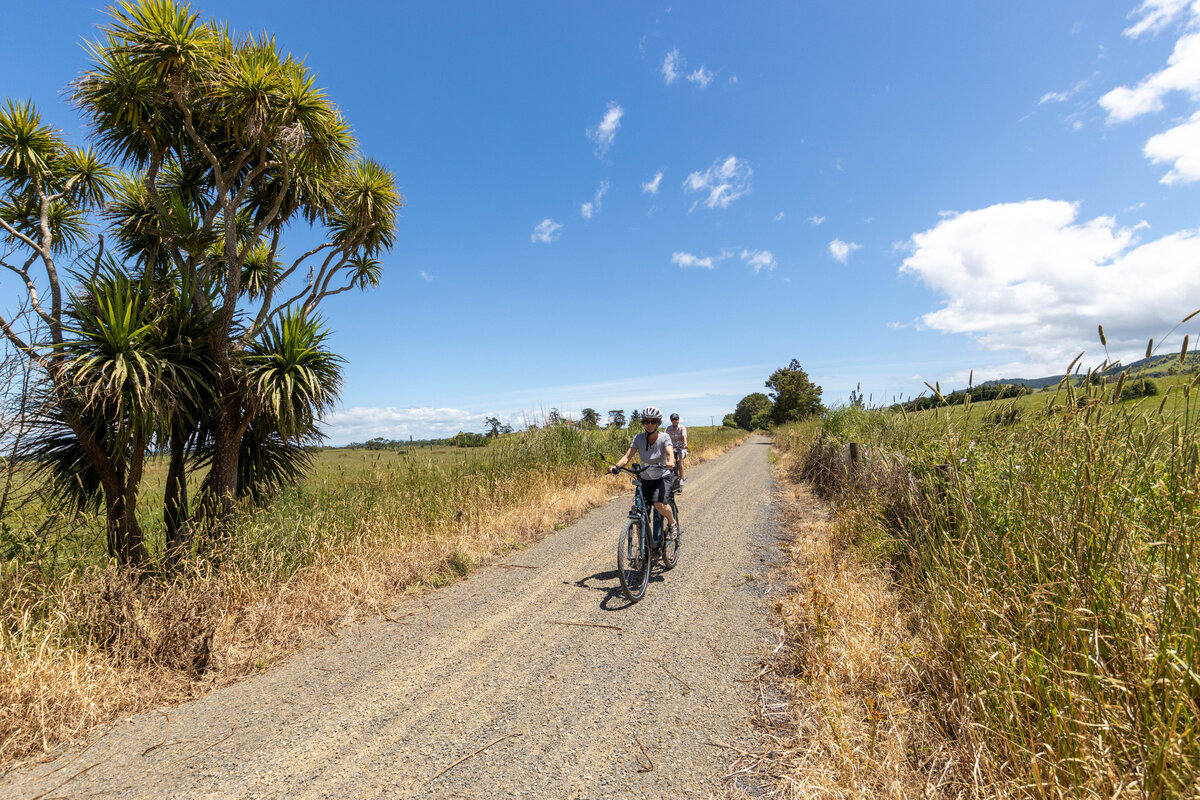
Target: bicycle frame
<point>648,514</point>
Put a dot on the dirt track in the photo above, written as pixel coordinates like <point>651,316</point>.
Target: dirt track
<point>386,706</point>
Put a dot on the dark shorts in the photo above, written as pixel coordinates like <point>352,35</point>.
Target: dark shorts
<point>655,491</point>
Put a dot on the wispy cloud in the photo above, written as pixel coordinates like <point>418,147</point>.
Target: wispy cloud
<point>758,260</point>
<point>1155,15</point>
<point>589,209</point>
<point>674,66</point>
<point>701,77</point>
<point>651,186</point>
<point>426,275</point>
<point>687,260</point>
<point>670,67</point>
<point>841,250</point>
<point>605,132</point>
<point>546,231</point>
<point>779,217</point>
<point>816,220</point>
<point>1031,277</point>
<point>1064,96</point>
<point>725,181</point>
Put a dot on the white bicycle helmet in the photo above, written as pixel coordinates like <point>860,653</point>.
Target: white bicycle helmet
<point>651,413</point>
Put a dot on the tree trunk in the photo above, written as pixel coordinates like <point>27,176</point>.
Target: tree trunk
<point>222,476</point>
<point>124,534</point>
<point>175,500</point>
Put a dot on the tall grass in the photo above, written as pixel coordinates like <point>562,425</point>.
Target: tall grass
<point>81,642</point>
<point>1049,561</point>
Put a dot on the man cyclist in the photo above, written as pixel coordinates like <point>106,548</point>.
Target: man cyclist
<point>655,452</point>
<point>678,435</point>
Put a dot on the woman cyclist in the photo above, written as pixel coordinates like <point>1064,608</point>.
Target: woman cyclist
<point>655,452</point>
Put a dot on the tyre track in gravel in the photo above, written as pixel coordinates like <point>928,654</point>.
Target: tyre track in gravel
<point>381,709</point>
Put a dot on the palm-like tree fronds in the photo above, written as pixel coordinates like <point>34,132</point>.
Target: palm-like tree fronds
<point>293,378</point>
<point>28,148</point>
<point>367,204</point>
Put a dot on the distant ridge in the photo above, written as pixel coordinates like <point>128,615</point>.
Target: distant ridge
<point>1153,367</point>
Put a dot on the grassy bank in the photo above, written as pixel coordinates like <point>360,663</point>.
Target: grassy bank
<point>1046,564</point>
<point>81,643</point>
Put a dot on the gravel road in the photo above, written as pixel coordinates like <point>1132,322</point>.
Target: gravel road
<point>485,671</point>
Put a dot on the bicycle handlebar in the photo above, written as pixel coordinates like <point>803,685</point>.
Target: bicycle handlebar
<point>634,469</point>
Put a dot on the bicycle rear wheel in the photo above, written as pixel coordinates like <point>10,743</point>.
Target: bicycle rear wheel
<point>633,561</point>
<point>670,549</point>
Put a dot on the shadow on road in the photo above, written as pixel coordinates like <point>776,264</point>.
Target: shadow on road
<point>612,592</point>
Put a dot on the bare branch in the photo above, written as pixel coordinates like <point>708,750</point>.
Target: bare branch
<point>20,344</point>
<point>268,219</point>
<point>99,257</point>
<point>16,234</point>
<point>268,293</point>
<point>30,287</point>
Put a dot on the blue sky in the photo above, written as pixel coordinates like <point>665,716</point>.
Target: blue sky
<point>618,204</point>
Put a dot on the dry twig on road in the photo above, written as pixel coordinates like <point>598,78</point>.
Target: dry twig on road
<point>472,754</point>
<point>686,689</point>
<point>586,624</point>
<point>162,741</point>
<point>64,783</point>
<point>232,731</point>
<point>649,765</point>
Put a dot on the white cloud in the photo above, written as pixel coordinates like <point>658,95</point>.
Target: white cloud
<point>360,424</point>
<point>816,220</point>
<point>779,217</point>
<point>1028,277</point>
<point>589,209</point>
<point>651,186</point>
<point>604,133</point>
<point>1182,73</point>
<point>688,260</point>
<point>670,67</point>
<point>758,260</point>
<point>701,77</point>
<point>426,275</point>
<point>545,231</point>
<point>1179,146</point>
<point>725,181</point>
<point>1155,15</point>
<point>842,250</point>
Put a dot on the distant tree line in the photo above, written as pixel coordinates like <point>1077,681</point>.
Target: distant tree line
<point>792,397</point>
<point>978,394</point>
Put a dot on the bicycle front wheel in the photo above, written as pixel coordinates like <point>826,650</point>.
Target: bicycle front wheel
<point>670,549</point>
<point>633,561</point>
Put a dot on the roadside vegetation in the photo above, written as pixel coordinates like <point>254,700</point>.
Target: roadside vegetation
<point>1007,602</point>
<point>83,641</point>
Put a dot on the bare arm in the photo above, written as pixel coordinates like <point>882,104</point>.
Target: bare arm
<point>625,458</point>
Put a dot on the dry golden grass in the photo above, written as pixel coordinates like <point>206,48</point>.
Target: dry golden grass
<point>842,707</point>
<point>147,644</point>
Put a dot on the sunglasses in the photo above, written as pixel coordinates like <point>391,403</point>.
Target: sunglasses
<point>649,422</point>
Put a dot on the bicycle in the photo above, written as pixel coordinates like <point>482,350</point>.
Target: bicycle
<point>636,551</point>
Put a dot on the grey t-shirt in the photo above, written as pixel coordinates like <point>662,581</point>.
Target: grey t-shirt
<point>652,455</point>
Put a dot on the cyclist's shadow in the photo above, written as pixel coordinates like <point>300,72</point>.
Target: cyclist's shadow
<point>614,599</point>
